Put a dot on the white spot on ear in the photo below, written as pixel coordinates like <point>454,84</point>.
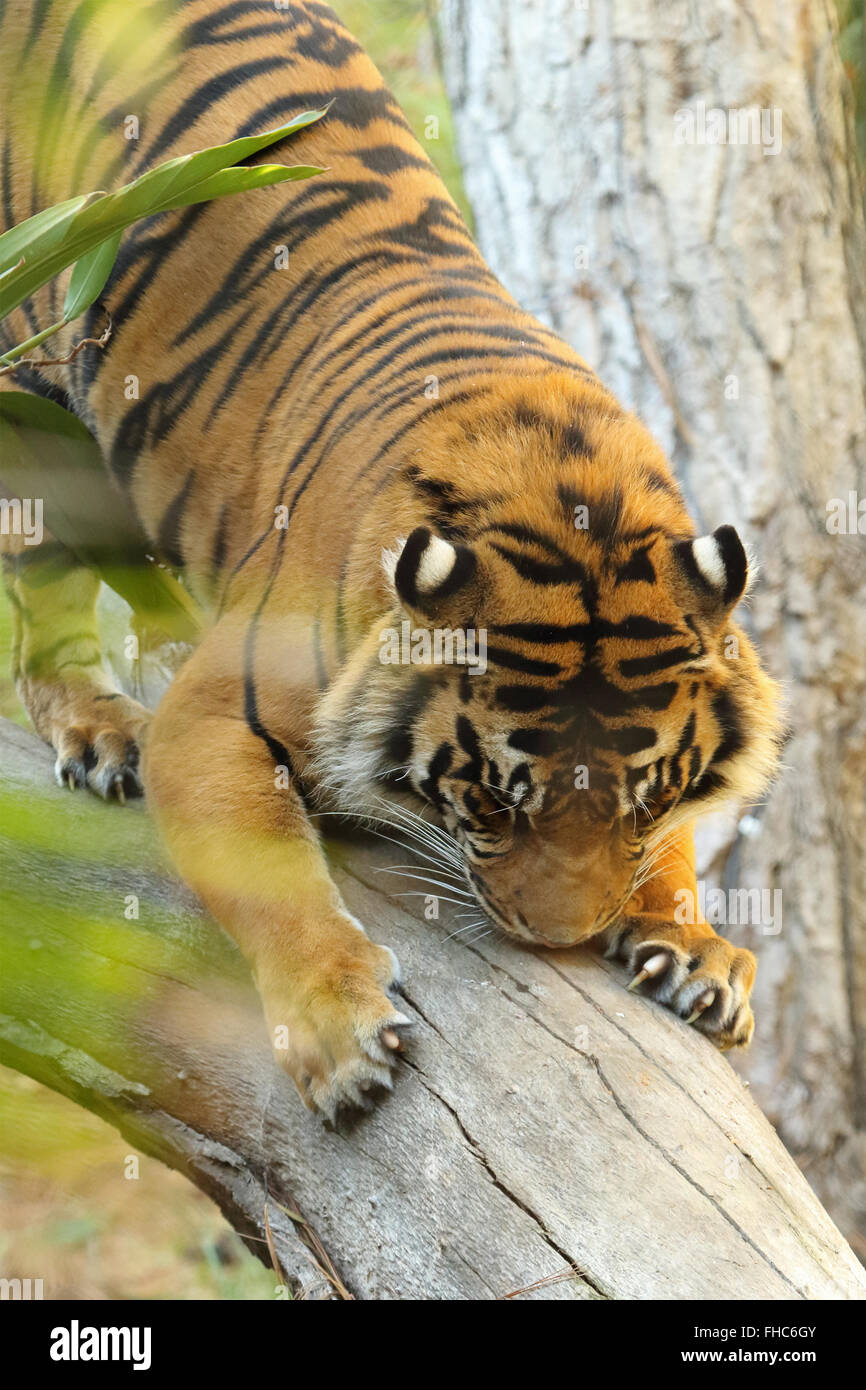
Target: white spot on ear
<point>708,559</point>
<point>435,565</point>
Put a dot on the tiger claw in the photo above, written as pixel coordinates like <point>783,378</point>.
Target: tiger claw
<point>654,966</point>
<point>701,1005</point>
<point>70,781</point>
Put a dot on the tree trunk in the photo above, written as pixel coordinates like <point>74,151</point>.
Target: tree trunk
<point>718,289</point>
<point>549,1134</point>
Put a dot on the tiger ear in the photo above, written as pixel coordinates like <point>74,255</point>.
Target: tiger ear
<point>429,571</point>
<point>717,569</point>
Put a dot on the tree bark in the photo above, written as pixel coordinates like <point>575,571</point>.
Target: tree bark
<point>549,1133</point>
<point>719,291</point>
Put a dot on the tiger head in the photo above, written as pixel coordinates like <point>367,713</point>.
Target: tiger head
<point>559,678</point>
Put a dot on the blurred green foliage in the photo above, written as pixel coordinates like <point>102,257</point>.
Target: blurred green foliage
<point>71,1215</point>
<point>10,705</point>
<point>852,46</point>
<point>399,36</point>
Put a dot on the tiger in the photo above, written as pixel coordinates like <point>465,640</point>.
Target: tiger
<point>370,438</point>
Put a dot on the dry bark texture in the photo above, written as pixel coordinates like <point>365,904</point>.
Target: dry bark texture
<point>546,1125</point>
<point>719,291</point>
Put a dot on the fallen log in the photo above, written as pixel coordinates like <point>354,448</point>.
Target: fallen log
<point>550,1136</point>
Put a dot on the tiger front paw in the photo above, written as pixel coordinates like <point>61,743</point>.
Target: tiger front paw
<point>702,978</point>
<point>335,1030</point>
<point>99,747</point>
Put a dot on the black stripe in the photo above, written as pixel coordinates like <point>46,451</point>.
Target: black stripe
<point>634,629</point>
<point>467,737</point>
<point>316,207</point>
<point>46,656</point>
<point>201,33</point>
<point>638,569</point>
<point>632,740</point>
<point>604,512</point>
<point>516,661</point>
<point>355,107</point>
<point>538,743</point>
<point>218,551</point>
<point>439,765</point>
<point>222,84</point>
<point>543,572</point>
<point>660,661</point>
<point>277,750</point>
<point>657,482</point>
<point>390,159</point>
<point>152,419</point>
<point>38,16</point>
<point>522,699</point>
<point>528,536</point>
<point>399,740</point>
<point>727,716</point>
<point>168,531</point>
<point>575,441</point>
<point>153,250</point>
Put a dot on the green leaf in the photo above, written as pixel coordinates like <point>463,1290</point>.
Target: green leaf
<point>73,229</point>
<point>161,186</point>
<point>11,268</point>
<point>20,408</point>
<point>18,239</point>
<point>229,181</point>
<point>89,275</point>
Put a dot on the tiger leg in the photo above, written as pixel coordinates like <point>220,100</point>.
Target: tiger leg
<point>57,666</point>
<point>238,832</point>
<point>677,957</point>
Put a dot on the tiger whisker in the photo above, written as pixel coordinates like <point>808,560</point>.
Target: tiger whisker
<point>460,930</point>
<point>650,870</point>
<point>401,844</point>
<point>424,878</point>
<point>390,771</point>
<point>372,821</point>
<point>399,868</point>
<point>433,834</point>
<point>480,937</point>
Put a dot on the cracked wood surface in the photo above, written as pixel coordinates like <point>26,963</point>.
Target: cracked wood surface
<point>545,1126</point>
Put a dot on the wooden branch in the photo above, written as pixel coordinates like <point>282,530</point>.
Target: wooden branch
<point>549,1132</point>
